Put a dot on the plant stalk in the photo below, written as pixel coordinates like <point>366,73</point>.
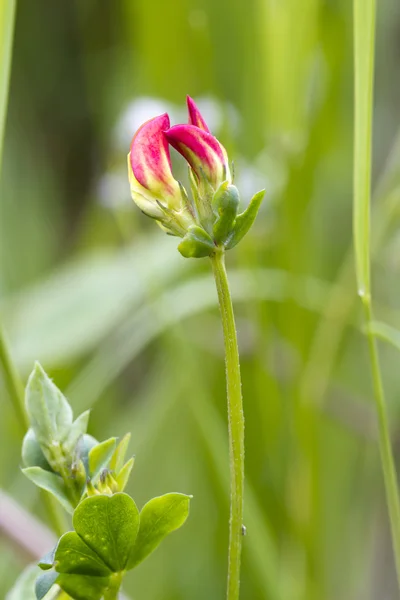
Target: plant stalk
<point>364,58</point>
<point>235,424</point>
<point>13,383</point>
<point>385,446</point>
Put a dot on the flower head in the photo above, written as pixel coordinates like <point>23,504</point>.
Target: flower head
<point>207,222</point>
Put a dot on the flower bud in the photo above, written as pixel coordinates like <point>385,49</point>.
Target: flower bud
<point>225,205</point>
<point>207,222</point>
<point>153,187</point>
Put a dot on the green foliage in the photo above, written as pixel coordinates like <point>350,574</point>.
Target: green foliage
<point>51,482</point>
<point>87,478</point>
<point>196,243</point>
<point>100,456</point>
<point>24,588</point>
<point>49,414</point>
<point>225,204</point>
<point>110,538</point>
<point>227,228</point>
<point>245,220</point>
<point>59,456</point>
<point>124,324</point>
<point>158,518</point>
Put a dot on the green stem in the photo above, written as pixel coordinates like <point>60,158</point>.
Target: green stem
<point>13,383</point>
<point>235,424</point>
<point>7,19</point>
<point>364,55</point>
<point>112,591</point>
<point>385,447</point>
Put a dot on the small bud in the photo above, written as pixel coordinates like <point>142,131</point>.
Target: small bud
<point>225,204</point>
<point>91,490</point>
<point>78,474</point>
<point>196,243</point>
<point>112,483</point>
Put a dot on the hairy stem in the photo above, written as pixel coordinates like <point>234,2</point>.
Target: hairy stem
<point>235,424</point>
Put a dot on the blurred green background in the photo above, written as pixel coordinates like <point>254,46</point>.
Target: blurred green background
<point>126,326</point>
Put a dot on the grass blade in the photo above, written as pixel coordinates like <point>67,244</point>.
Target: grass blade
<point>364,40</point>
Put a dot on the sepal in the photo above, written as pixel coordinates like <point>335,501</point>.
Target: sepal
<point>245,220</point>
<point>225,205</point>
<point>196,243</point>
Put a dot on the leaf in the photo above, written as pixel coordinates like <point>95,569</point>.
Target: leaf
<point>118,457</point>
<point>159,517</point>
<point>32,454</point>
<point>196,243</point>
<point>85,444</point>
<point>245,220</point>
<point>100,456</point>
<point>364,42</point>
<point>47,561</point>
<point>74,556</point>
<point>82,587</point>
<point>385,332</point>
<point>76,432</point>
<point>123,476</point>
<point>109,526</point>
<point>44,583</point>
<point>50,482</point>
<point>49,413</point>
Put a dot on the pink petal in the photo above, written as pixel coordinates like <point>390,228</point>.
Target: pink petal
<point>202,151</point>
<point>195,117</point>
<point>150,158</point>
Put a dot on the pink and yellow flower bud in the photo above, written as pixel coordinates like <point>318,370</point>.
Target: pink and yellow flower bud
<point>153,187</point>
<point>204,153</point>
<point>209,221</point>
<point>195,116</point>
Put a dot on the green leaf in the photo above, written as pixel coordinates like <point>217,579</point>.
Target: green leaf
<point>47,561</point>
<point>82,587</point>
<point>364,42</point>
<point>196,243</point>
<point>100,456</point>
<point>49,413</point>
<point>50,482</point>
<point>245,220</point>
<point>76,432</point>
<point>44,583</point>
<point>109,526</point>
<point>159,517</point>
<point>123,476</point>
<point>118,457</point>
<point>74,556</point>
<point>32,454</point>
<point>85,445</point>
<point>386,333</point>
